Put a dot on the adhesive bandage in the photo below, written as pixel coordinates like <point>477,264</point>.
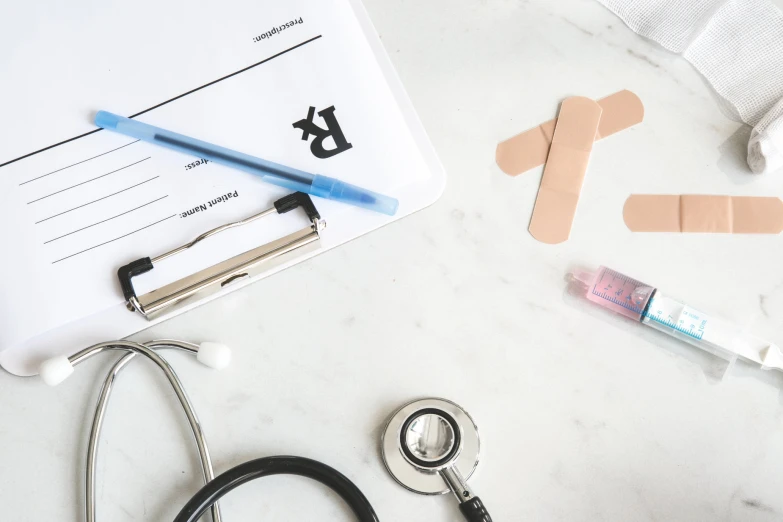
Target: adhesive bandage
<point>565,170</point>
<point>530,149</point>
<point>698,213</point>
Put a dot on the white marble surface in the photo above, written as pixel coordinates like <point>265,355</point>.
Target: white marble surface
<point>582,418</point>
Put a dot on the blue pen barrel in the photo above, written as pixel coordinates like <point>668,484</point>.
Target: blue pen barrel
<point>274,173</point>
<point>281,175</point>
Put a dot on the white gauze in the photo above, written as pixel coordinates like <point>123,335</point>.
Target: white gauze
<point>738,46</point>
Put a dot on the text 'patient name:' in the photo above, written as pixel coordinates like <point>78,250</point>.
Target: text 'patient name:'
<point>209,204</point>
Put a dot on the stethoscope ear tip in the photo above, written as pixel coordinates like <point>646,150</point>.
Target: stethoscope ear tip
<point>55,370</point>
<point>214,355</point>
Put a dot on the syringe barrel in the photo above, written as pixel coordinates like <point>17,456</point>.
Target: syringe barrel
<point>720,338</point>
<point>617,292</point>
<point>641,302</point>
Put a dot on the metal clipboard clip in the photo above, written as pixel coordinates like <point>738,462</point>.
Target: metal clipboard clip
<point>212,279</point>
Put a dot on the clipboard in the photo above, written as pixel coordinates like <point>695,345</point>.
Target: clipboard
<point>336,18</point>
<point>208,281</point>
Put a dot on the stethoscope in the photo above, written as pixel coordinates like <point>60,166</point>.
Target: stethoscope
<point>424,445</point>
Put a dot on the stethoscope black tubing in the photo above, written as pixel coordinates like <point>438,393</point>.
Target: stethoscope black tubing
<point>282,465</point>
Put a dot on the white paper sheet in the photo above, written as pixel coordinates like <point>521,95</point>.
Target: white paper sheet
<point>239,75</point>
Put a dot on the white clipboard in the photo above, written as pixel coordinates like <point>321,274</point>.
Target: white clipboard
<point>277,59</point>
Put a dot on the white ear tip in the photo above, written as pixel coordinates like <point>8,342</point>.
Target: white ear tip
<point>214,355</point>
<point>55,370</point>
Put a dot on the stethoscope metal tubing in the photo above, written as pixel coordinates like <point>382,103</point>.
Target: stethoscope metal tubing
<point>105,394</point>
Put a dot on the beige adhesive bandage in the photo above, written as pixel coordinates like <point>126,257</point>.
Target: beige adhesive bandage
<point>694,213</point>
<point>528,150</point>
<point>565,170</point>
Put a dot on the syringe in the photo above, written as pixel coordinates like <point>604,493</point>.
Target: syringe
<point>646,304</point>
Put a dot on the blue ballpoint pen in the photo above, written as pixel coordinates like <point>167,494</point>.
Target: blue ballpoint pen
<point>288,177</point>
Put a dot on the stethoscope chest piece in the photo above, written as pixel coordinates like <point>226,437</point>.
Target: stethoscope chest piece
<point>426,437</point>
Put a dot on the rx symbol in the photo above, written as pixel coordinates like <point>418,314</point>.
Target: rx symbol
<point>333,130</point>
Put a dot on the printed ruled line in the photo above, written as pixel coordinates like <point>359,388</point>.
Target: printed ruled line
<point>105,220</point>
<point>113,240</point>
<point>281,53</point>
<point>97,200</point>
<point>89,180</point>
<point>79,163</point>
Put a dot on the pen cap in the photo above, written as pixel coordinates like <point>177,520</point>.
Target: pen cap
<point>330,188</point>
<point>127,126</point>
<point>106,120</point>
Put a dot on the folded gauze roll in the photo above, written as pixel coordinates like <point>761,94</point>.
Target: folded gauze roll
<point>738,46</point>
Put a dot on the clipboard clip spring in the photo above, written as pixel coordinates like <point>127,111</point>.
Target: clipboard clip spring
<point>212,279</point>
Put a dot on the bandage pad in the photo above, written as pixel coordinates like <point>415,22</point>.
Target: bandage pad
<point>698,213</point>
<point>530,149</point>
<point>565,170</point>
